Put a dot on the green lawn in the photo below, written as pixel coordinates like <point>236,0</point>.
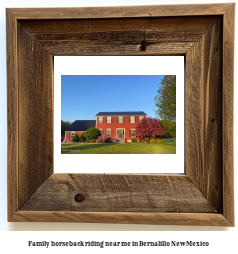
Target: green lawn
<point>169,147</point>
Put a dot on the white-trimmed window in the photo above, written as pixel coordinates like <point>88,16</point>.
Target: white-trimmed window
<point>100,132</point>
<point>120,119</point>
<point>140,118</point>
<point>109,119</point>
<point>109,132</point>
<point>132,133</point>
<point>72,134</point>
<point>100,119</point>
<point>132,119</point>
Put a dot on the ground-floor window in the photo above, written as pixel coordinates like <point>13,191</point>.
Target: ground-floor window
<point>109,132</point>
<point>72,134</point>
<point>132,133</point>
<point>100,132</point>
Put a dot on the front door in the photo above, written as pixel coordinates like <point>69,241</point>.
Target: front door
<point>120,133</point>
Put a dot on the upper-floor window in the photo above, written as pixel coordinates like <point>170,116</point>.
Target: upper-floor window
<point>100,119</point>
<point>120,119</point>
<point>140,118</point>
<point>132,119</point>
<point>109,119</point>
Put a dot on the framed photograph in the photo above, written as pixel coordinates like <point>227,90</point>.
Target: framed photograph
<point>202,34</point>
<point>123,87</point>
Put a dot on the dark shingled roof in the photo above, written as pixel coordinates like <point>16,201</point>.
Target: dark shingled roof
<point>81,125</point>
<point>122,113</point>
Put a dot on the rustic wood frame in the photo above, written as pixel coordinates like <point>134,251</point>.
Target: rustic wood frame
<point>204,34</point>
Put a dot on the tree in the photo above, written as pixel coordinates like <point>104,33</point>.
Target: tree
<point>166,103</point>
<point>64,126</point>
<point>82,138</point>
<point>166,98</point>
<point>170,128</point>
<point>91,133</point>
<point>150,127</point>
<point>76,138</point>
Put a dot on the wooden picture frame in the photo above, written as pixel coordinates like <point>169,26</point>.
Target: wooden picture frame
<point>204,34</point>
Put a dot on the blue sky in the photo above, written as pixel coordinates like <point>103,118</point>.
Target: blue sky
<point>83,96</point>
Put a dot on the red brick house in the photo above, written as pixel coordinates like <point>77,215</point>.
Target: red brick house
<point>119,126</point>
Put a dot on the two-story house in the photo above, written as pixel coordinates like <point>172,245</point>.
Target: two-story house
<point>119,126</point>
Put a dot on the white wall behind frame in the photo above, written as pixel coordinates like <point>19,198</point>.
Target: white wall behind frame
<point>222,238</point>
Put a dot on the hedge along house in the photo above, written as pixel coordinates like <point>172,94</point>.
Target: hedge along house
<point>119,126</point>
<point>78,127</point>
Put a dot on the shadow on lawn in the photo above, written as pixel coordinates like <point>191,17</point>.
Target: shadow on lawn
<point>85,147</point>
<point>168,141</point>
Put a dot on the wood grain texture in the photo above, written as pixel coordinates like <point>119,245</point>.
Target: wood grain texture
<point>203,119</point>
<point>104,193</point>
<point>35,111</point>
<point>119,36</point>
<point>189,26</point>
<point>227,113</point>
<point>121,12</point>
<point>72,48</point>
<point>204,196</point>
<point>192,219</point>
<point>12,115</point>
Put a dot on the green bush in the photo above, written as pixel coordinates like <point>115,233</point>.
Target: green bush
<point>100,141</point>
<point>152,141</point>
<point>93,140</point>
<point>159,141</point>
<point>134,140</point>
<point>147,141</point>
<point>106,140</point>
<point>82,138</point>
<point>91,133</point>
<point>76,138</point>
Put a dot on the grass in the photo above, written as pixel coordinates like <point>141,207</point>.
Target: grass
<point>169,147</point>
